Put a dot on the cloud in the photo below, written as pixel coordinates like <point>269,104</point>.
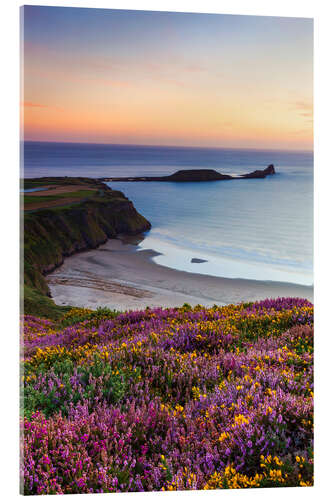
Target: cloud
<point>303,109</point>
<point>29,104</point>
<point>108,82</point>
<point>304,131</point>
<point>303,106</point>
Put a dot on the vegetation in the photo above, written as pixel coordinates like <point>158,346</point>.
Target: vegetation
<point>47,181</point>
<point>52,233</point>
<point>37,304</point>
<point>29,199</point>
<point>169,399</point>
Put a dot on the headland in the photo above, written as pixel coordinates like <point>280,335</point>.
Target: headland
<point>195,175</point>
<point>66,216</point>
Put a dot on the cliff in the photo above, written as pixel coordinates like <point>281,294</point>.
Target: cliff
<point>53,233</point>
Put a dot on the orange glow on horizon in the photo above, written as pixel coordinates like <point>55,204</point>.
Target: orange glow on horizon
<point>217,88</point>
<point>184,127</point>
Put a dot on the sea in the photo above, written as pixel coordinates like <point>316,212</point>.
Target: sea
<point>259,229</point>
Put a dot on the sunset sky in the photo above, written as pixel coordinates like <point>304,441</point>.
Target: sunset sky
<point>131,77</point>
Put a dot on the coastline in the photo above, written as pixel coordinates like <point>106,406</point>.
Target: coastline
<point>119,276</point>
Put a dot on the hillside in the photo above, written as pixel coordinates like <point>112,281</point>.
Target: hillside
<point>69,215</point>
<point>169,399</point>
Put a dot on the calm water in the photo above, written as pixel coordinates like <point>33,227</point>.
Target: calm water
<point>253,228</point>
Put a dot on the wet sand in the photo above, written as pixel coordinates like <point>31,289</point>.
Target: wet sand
<point>120,276</point>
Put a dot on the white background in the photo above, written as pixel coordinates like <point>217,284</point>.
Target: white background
<point>321,11</point>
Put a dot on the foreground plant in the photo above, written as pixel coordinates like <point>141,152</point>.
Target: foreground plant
<point>167,399</point>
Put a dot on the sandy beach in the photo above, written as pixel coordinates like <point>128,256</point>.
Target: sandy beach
<point>121,276</point>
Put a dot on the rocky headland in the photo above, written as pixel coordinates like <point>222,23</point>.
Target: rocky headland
<point>259,174</point>
<point>195,175</point>
<point>66,221</point>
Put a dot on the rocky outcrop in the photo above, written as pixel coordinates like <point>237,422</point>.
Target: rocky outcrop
<point>260,174</point>
<point>195,175</point>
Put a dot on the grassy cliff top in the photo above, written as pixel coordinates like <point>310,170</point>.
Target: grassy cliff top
<point>52,192</point>
<point>62,181</point>
<point>68,215</point>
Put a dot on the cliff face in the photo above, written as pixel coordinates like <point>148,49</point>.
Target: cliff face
<point>52,234</point>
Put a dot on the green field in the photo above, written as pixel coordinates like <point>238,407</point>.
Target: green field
<point>28,199</point>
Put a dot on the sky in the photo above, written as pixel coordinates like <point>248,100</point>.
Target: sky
<point>156,78</point>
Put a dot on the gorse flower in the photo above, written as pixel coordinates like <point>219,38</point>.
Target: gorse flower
<point>169,399</point>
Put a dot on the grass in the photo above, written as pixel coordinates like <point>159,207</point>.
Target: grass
<point>28,199</point>
<point>34,183</point>
<point>46,181</point>
<point>85,219</point>
<point>36,304</point>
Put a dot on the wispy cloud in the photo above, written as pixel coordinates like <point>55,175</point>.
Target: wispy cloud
<point>29,104</point>
<point>303,131</point>
<point>107,82</point>
<point>303,105</point>
<point>303,108</point>
<point>38,105</point>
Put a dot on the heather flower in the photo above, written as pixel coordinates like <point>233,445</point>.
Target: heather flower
<point>169,399</point>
